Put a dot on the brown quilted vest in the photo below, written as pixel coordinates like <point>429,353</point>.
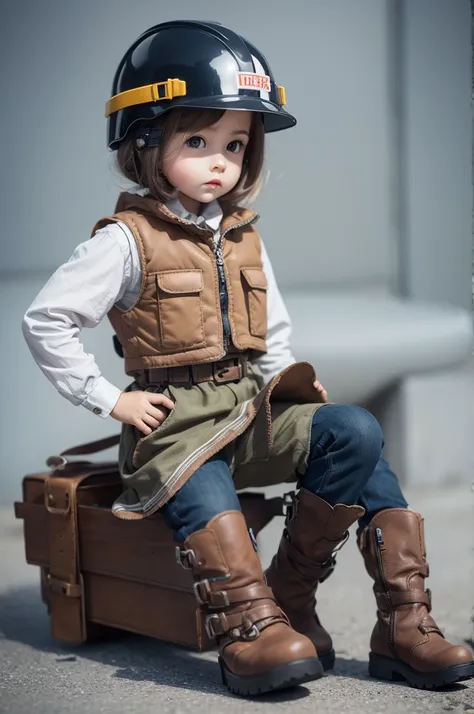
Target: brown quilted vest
<point>176,319</point>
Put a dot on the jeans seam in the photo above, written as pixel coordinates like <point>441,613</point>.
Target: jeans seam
<point>326,456</point>
<point>327,472</point>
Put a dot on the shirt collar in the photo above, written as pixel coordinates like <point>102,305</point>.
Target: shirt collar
<point>211,215</point>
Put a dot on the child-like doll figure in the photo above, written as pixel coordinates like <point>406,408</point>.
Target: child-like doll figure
<point>217,402</point>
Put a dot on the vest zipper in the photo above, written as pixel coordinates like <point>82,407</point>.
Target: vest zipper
<point>223,291</point>
<point>223,297</point>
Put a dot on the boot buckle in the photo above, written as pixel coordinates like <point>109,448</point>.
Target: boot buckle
<point>288,505</point>
<point>251,634</point>
<point>197,591</point>
<point>328,568</point>
<point>186,558</point>
<point>211,630</point>
<point>214,599</point>
<point>330,564</point>
<point>341,544</point>
<point>247,635</point>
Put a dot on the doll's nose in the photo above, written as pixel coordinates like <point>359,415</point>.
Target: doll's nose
<point>218,165</point>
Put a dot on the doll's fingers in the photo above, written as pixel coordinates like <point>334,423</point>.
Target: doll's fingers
<point>143,427</point>
<point>157,414</point>
<point>152,421</point>
<point>155,398</point>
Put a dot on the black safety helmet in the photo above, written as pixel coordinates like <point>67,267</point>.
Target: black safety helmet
<point>192,64</point>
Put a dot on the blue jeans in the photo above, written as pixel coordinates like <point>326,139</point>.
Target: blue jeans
<point>345,465</point>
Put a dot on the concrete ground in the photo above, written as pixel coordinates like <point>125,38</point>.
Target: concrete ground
<point>136,675</point>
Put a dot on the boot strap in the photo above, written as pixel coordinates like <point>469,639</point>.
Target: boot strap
<point>427,629</point>
<point>223,598</point>
<point>391,599</point>
<point>312,571</point>
<point>243,625</point>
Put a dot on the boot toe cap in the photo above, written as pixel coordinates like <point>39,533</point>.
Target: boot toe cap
<point>301,647</point>
<point>460,655</point>
<point>277,645</point>
<point>443,658</point>
<point>286,645</point>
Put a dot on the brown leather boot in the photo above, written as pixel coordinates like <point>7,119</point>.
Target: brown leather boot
<point>258,650</point>
<point>406,643</point>
<point>314,532</point>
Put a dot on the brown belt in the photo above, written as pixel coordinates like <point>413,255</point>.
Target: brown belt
<point>231,369</point>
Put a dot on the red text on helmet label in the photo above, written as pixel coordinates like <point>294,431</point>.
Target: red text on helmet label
<point>251,80</point>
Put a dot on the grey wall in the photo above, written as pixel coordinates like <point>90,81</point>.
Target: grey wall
<point>436,156</point>
<point>329,184</point>
<point>332,215</point>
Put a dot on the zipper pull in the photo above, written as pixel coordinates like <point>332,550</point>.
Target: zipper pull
<point>218,254</point>
<point>379,537</point>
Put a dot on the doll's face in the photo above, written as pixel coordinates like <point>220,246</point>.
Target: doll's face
<point>206,165</point>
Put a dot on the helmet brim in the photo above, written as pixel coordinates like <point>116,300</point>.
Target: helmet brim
<point>275,118</point>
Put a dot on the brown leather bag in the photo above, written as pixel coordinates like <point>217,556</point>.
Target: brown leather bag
<point>100,572</point>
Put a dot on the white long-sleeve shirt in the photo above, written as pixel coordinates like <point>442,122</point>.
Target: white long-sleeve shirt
<point>105,271</point>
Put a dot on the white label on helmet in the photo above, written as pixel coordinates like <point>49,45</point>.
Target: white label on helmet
<point>251,80</point>
<point>259,69</point>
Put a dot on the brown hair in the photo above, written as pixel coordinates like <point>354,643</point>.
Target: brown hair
<point>144,167</point>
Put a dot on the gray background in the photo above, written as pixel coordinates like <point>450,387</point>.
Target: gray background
<point>371,190</point>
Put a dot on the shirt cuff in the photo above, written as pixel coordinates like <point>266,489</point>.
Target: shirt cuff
<point>102,398</point>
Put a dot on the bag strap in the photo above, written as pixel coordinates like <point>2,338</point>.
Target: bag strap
<point>64,581</point>
<point>66,591</point>
<point>91,447</point>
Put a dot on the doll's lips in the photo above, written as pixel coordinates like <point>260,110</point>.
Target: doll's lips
<point>214,182</point>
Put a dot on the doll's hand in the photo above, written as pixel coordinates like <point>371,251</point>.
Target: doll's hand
<point>138,408</point>
<point>322,392</point>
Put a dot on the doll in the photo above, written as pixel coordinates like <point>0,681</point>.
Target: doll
<point>217,402</point>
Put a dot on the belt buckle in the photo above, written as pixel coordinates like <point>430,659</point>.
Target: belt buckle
<point>220,368</point>
<point>182,376</point>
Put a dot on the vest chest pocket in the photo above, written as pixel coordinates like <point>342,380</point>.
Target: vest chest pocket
<point>180,311</point>
<point>254,283</point>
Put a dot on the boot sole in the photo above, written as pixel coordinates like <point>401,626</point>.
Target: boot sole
<point>327,659</point>
<point>282,677</point>
<point>394,670</point>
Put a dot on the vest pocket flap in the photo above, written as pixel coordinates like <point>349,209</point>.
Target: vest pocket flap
<point>255,278</point>
<point>180,281</point>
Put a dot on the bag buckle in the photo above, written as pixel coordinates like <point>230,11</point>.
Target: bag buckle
<point>61,587</point>
<point>52,507</point>
<point>56,463</point>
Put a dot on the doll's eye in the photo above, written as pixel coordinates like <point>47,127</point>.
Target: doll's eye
<point>195,142</point>
<point>235,146</point>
